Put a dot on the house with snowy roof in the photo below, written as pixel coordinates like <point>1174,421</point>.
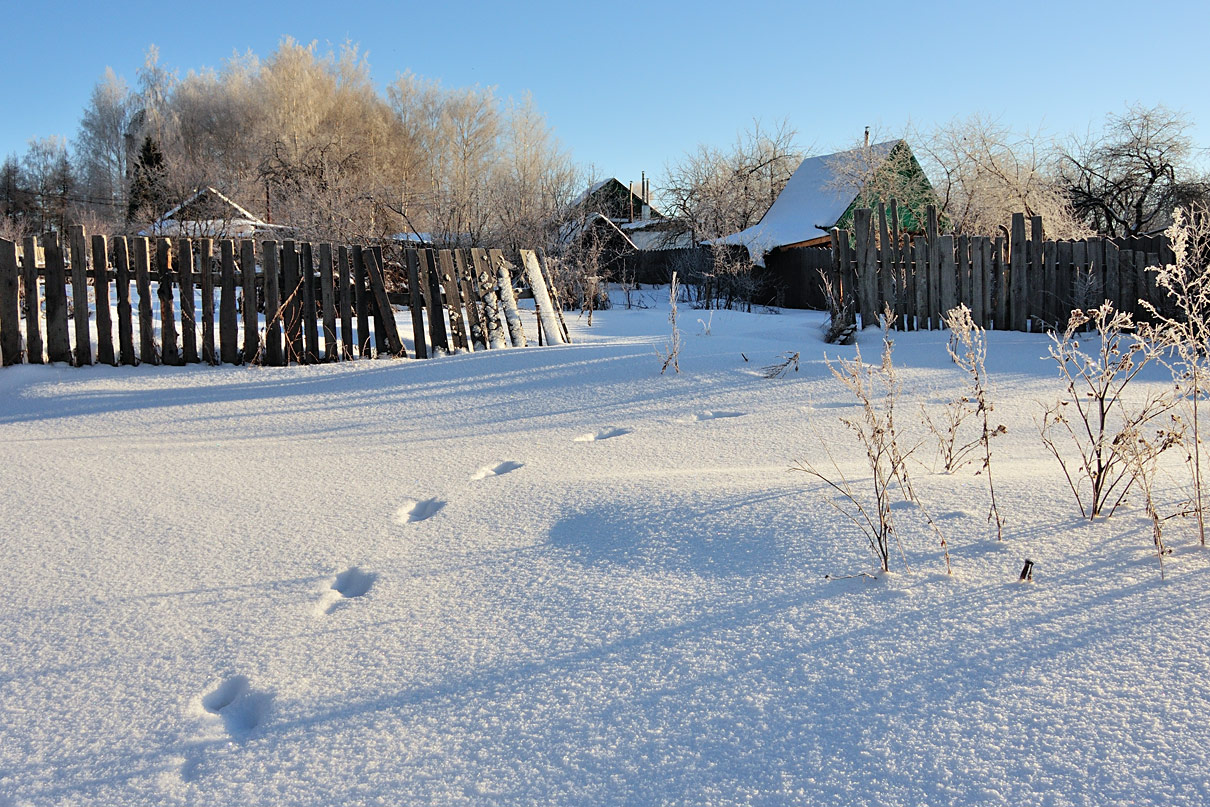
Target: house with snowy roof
<point>209,214</point>
<point>824,191</point>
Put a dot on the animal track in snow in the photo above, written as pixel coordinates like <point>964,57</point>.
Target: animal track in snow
<point>239,707</point>
<point>603,434</point>
<point>708,415</point>
<point>412,511</point>
<point>350,583</point>
<point>497,470</point>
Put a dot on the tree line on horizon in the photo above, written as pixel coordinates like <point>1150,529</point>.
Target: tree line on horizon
<point>304,138</point>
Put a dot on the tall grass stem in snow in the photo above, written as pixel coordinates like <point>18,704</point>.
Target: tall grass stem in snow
<point>671,355</point>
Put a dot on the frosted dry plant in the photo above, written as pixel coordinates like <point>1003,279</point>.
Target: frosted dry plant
<point>671,356</point>
<point>967,346</point>
<point>1182,332</point>
<point>1087,427</point>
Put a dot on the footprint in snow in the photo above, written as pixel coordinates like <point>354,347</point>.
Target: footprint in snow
<point>347,585</point>
<point>604,434</point>
<point>496,470</point>
<point>708,415</point>
<point>239,707</point>
<point>412,511</point>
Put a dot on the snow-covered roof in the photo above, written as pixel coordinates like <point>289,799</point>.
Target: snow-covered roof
<point>199,193</point>
<point>811,203</point>
<point>596,186</point>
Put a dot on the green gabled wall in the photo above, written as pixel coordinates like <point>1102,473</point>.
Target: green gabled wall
<point>916,192</point>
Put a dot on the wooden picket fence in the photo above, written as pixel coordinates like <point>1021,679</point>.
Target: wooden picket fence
<point>320,303</point>
<point>1023,282</point>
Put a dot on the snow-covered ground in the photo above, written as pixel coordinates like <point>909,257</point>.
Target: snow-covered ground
<point>554,576</point>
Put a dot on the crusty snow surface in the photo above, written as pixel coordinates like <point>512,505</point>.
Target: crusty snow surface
<point>555,576</point>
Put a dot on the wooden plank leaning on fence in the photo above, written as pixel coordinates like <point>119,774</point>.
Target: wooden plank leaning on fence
<point>546,313</point>
<point>411,260</point>
<point>438,338</point>
<point>100,285</point>
<point>466,285</point>
<point>390,332</point>
<point>123,277</point>
<point>10,306</point>
<point>485,278</point>
<point>453,299</point>
<point>544,266</point>
<point>508,298</point>
<point>33,300</point>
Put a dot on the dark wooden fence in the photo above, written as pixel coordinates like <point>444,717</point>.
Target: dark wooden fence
<point>1021,282</point>
<point>320,303</point>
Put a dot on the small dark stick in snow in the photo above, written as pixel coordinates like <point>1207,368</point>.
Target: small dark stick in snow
<point>1027,571</point>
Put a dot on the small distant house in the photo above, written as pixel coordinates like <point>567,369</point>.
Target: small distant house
<point>824,191</point>
<point>210,214</point>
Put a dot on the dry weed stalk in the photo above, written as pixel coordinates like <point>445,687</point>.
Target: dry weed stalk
<point>967,346</point>
<point>1184,335</point>
<point>671,356</point>
<point>876,388</point>
<point>1088,430</point>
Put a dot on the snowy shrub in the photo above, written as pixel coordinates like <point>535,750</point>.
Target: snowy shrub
<point>1090,428</point>
<point>671,355</point>
<point>1183,335</point>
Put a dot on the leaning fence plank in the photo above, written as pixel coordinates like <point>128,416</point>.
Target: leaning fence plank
<point>184,273</point>
<point>533,273</point>
<point>466,284</point>
<point>100,286</point>
<point>508,298</point>
<point>33,300</point>
<point>554,293</point>
<point>228,322</point>
<point>485,279</point>
<point>203,261</point>
<point>386,321</point>
<point>411,259</point>
<point>453,300</point>
<point>273,304</point>
<point>327,299</point>
<point>10,306</point>
<point>247,276</point>
<point>78,246</point>
<point>381,315</point>
<point>309,313</point>
<point>121,265</point>
<point>438,337</point>
<point>58,343</point>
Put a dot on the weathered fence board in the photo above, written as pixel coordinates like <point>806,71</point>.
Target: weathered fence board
<point>327,299</point>
<point>453,300</point>
<point>121,263</point>
<point>78,246</point>
<point>508,298</point>
<point>10,306</point>
<point>415,302</point>
<point>100,285</point>
<point>247,267</point>
<point>33,300</point>
<point>204,258</point>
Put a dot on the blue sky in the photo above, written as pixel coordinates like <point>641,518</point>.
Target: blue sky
<point>631,87</point>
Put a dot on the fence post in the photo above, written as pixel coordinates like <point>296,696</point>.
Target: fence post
<point>148,353</point>
<point>78,245</point>
<point>100,285</point>
<point>327,299</point>
<point>206,281</point>
<point>247,276</point>
<point>10,308</point>
<point>184,273</point>
<point>416,303</point>
<point>58,344</point>
<point>228,325</point>
<point>33,300</point>
<point>273,313</point>
<point>121,264</point>
<point>948,272</point>
<point>867,270</point>
<point>1019,305</point>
